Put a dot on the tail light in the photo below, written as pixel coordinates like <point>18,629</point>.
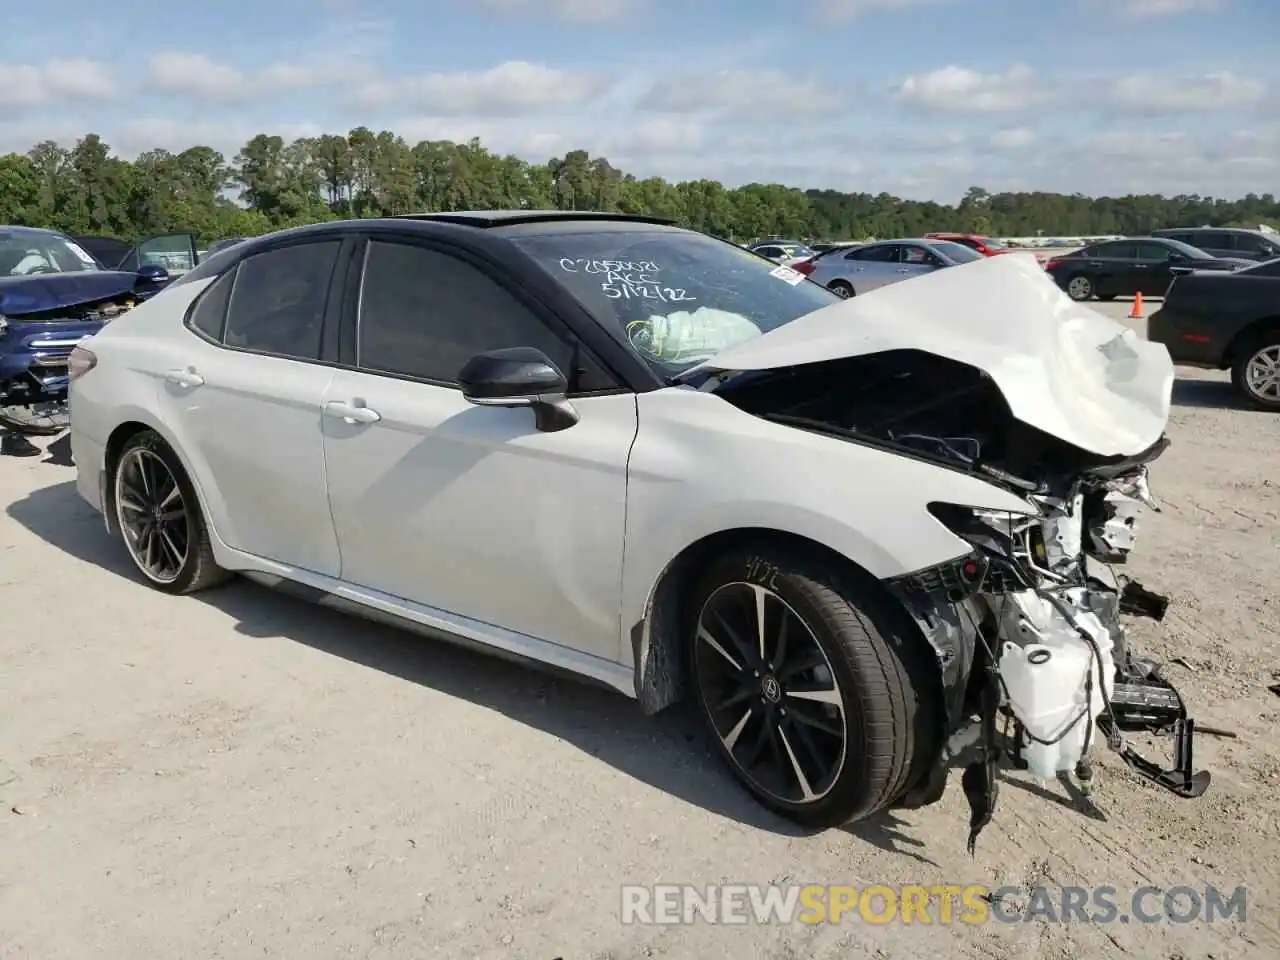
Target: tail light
<point>1050,264</point>
<point>80,362</point>
<point>804,267</point>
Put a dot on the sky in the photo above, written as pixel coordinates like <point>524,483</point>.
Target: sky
<point>918,98</point>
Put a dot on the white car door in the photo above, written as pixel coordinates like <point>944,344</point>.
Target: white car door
<point>243,396</point>
<point>470,509</point>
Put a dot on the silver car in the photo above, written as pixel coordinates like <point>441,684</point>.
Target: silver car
<point>850,272</point>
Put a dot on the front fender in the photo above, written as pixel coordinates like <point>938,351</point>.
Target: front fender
<point>701,466</point>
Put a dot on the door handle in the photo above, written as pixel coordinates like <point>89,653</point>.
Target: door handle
<point>350,412</point>
<point>903,270</point>
<point>184,378</point>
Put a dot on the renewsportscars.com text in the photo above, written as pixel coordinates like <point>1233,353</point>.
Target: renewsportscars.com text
<point>972,904</point>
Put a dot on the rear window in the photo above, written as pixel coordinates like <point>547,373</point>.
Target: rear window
<point>678,297</point>
<point>956,252</point>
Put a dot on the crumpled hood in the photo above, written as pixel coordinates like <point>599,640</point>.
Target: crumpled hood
<point>54,291</point>
<point>1062,367</point>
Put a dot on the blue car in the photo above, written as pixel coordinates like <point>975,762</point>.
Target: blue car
<point>53,294</point>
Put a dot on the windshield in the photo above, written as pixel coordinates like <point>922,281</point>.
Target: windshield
<point>679,297</point>
<point>957,252</point>
<point>992,244</point>
<point>26,253</point>
<point>1187,250</point>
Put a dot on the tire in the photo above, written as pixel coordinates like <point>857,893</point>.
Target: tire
<point>857,643</point>
<point>49,421</point>
<point>841,288</point>
<point>1080,287</point>
<point>189,564</point>
<point>1248,374</point>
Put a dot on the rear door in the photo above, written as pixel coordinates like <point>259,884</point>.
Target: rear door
<point>243,393</point>
<point>874,266</point>
<point>1112,267</point>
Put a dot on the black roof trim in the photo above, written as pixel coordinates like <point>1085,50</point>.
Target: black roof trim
<point>498,218</point>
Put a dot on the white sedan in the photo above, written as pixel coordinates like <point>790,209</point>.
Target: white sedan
<point>656,460</point>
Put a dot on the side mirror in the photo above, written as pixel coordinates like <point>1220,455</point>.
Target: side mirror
<point>153,273</point>
<point>519,377</point>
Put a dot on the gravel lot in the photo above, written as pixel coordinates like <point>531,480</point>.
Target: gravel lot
<point>241,774</point>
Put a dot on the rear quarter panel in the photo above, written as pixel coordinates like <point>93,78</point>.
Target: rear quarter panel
<point>1204,313</point>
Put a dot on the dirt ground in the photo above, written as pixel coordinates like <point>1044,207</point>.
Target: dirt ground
<point>242,775</point>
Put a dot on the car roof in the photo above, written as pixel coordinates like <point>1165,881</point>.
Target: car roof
<point>29,231</point>
<point>1163,230</point>
<point>500,218</point>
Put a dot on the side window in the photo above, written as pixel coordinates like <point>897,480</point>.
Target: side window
<point>209,313</point>
<point>885,253</point>
<point>1153,252</point>
<point>1117,251</point>
<point>1249,244</point>
<point>424,314</point>
<point>278,300</point>
<point>918,255</point>
<point>1213,241</point>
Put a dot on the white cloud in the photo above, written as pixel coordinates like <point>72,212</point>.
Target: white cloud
<point>508,89</point>
<point>1015,138</point>
<point>849,10</point>
<point>1153,9</point>
<point>758,93</point>
<point>27,85</point>
<point>955,89</point>
<point>203,79</point>
<point>1155,95</point>
<point>567,11</point>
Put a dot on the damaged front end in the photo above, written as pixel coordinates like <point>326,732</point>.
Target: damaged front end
<point>1026,627</point>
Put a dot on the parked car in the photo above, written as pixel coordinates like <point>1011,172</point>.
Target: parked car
<point>782,251</point>
<point>53,293</point>
<point>1231,242</point>
<point>848,273</point>
<point>1227,321</point>
<point>987,246</point>
<point>174,252</point>
<point>1122,268</point>
<point>650,458</point>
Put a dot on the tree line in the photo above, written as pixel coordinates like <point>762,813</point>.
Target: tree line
<point>84,189</point>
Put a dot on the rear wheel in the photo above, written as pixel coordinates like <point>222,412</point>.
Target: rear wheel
<point>1256,372</point>
<point>809,684</point>
<point>841,288</point>
<point>1080,287</point>
<point>159,515</point>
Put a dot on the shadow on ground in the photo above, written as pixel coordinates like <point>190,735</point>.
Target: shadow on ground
<point>1211,394</point>
<point>665,751</point>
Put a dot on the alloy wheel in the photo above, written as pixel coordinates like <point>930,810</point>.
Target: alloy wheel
<point>770,693</point>
<point>1262,374</point>
<point>152,512</point>
<point>1079,288</point>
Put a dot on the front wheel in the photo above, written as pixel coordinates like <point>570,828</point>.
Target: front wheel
<point>811,687</point>
<point>1256,373</point>
<point>159,515</point>
<point>1080,287</point>
<point>841,289</point>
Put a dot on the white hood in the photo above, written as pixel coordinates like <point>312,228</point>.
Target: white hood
<point>1063,367</point>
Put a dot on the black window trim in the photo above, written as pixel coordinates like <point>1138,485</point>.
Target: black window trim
<point>494,273</point>
<point>327,357</point>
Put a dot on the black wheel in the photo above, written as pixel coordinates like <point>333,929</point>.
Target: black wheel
<point>810,684</point>
<point>159,516</point>
<point>36,420</point>
<point>1256,372</point>
<point>1080,287</point>
<point>841,288</point>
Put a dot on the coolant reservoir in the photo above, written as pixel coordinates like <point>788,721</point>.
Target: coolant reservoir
<point>1047,686</point>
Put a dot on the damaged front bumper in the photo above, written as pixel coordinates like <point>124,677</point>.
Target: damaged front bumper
<point>1032,652</point>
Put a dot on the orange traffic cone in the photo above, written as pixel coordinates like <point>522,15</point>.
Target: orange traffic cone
<point>1136,312</point>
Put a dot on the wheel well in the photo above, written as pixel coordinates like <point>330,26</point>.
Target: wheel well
<point>120,436</point>
<point>658,641</point>
<point>1246,335</point>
